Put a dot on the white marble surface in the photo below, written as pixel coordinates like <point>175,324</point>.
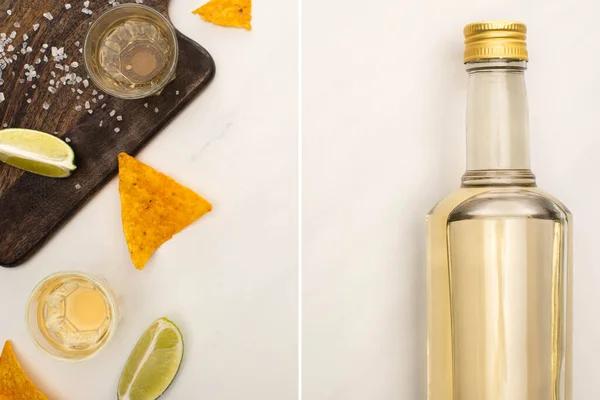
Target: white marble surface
<point>384,99</point>
<point>229,280</point>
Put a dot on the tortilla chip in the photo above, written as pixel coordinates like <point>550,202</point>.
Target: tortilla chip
<point>153,208</point>
<point>14,383</point>
<point>235,13</point>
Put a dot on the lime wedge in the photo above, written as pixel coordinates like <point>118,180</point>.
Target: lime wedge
<point>153,363</point>
<point>36,152</point>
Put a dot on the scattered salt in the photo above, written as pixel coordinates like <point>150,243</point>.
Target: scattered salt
<point>86,11</point>
<point>77,43</point>
<point>117,130</point>
<point>67,140</point>
<point>33,86</point>
<point>177,93</point>
<point>74,64</point>
<point>52,81</point>
<point>13,34</point>
<point>101,122</point>
<point>45,45</point>
<point>28,101</point>
<point>146,105</point>
<point>119,118</point>
<point>9,12</point>
<point>87,105</point>
<point>94,92</point>
<point>86,83</point>
<point>77,108</point>
<point>46,105</point>
<point>86,4</point>
<point>45,59</point>
<point>25,37</point>
<point>78,186</point>
<point>78,97</point>
<point>79,91</point>
<point>48,16</point>
<point>52,89</point>
<point>38,60</point>
<point>10,47</point>
<point>112,113</point>
<point>90,111</point>
<point>103,105</point>
<point>94,100</point>
<point>155,109</point>
<point>67,6</point>
<point>100,97</point>
<point>80,50</point>
<point>17,25</point>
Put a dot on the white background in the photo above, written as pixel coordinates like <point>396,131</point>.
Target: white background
<point>384,101</point>
<point>230,280</point>
<point>383,114</point>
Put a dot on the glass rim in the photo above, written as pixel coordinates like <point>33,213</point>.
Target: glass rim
<point>173,65</point>
<point>111,303</point>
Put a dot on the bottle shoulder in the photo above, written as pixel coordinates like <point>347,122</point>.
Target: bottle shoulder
<point>500,202</point>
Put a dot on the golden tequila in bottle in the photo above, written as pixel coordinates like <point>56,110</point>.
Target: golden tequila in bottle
<point>72,315</point>
<point>499,248</point>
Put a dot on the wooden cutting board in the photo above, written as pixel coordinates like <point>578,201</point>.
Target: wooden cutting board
<point>32,207</point>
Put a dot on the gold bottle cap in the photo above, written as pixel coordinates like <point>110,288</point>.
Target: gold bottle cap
<point>495,39</point>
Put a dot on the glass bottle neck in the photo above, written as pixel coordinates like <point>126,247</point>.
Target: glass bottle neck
<point>497,125</point>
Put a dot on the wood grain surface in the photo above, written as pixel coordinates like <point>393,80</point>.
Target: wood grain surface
<point>33,207</point>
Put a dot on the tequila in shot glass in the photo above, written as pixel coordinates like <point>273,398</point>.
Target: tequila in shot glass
<point>131,51</point>
<point>72,315</point>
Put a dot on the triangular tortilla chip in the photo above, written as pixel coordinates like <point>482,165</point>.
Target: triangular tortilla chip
<point>153,208</point>
<point>14,383</point>
<point>235,13</point>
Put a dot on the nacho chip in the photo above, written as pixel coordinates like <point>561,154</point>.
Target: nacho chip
<point>235,13</point>
<point>153,208</point>
<point>14,383</point>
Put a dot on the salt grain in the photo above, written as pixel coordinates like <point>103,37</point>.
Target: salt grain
<point>81,50</point>
<point>74,64</point>
<point>90,111</point>
<point>5,125</point>
<point>101,122</point>
<point>155,109</point>
<point>78,97</point>
<point>28,101</point>
<point>45,45</point>
<point>103,105</point>
<point>25,37</point>
<point>52,81</point>
<point>94,100</point>
<point>177,93</point>
<point>67,140</point>
<point>86,83</point>
<point>17,25</point>
<point>13,34</point>
<point>79,91</point>
<point>9,12</point>
<point>86,4</point>
<point>87,105</point>
<point>1,97</point>
<point>21,80</point>
<point>67,6</point>
<point>46,106</point>
<point>77,43</point>
<point>146,105</point>
<point>38,60</point>
<point>10,47</point>
<point>52,89</point>
<point>78,186</point>
<point>33,86</point>
<point>100,97</point>
<point>112,113</point>
<point>94,92</point>
<point>119,118</point>
<point>77,108</point>
<point>48,16</point>
<point>117,130</point>
<point>45,59</point>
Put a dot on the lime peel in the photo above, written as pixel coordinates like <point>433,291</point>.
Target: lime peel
<point>153,363</point>
<point>36,152</point>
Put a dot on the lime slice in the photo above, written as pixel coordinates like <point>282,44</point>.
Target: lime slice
<point>36,152</point>
<point>153,363</point>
